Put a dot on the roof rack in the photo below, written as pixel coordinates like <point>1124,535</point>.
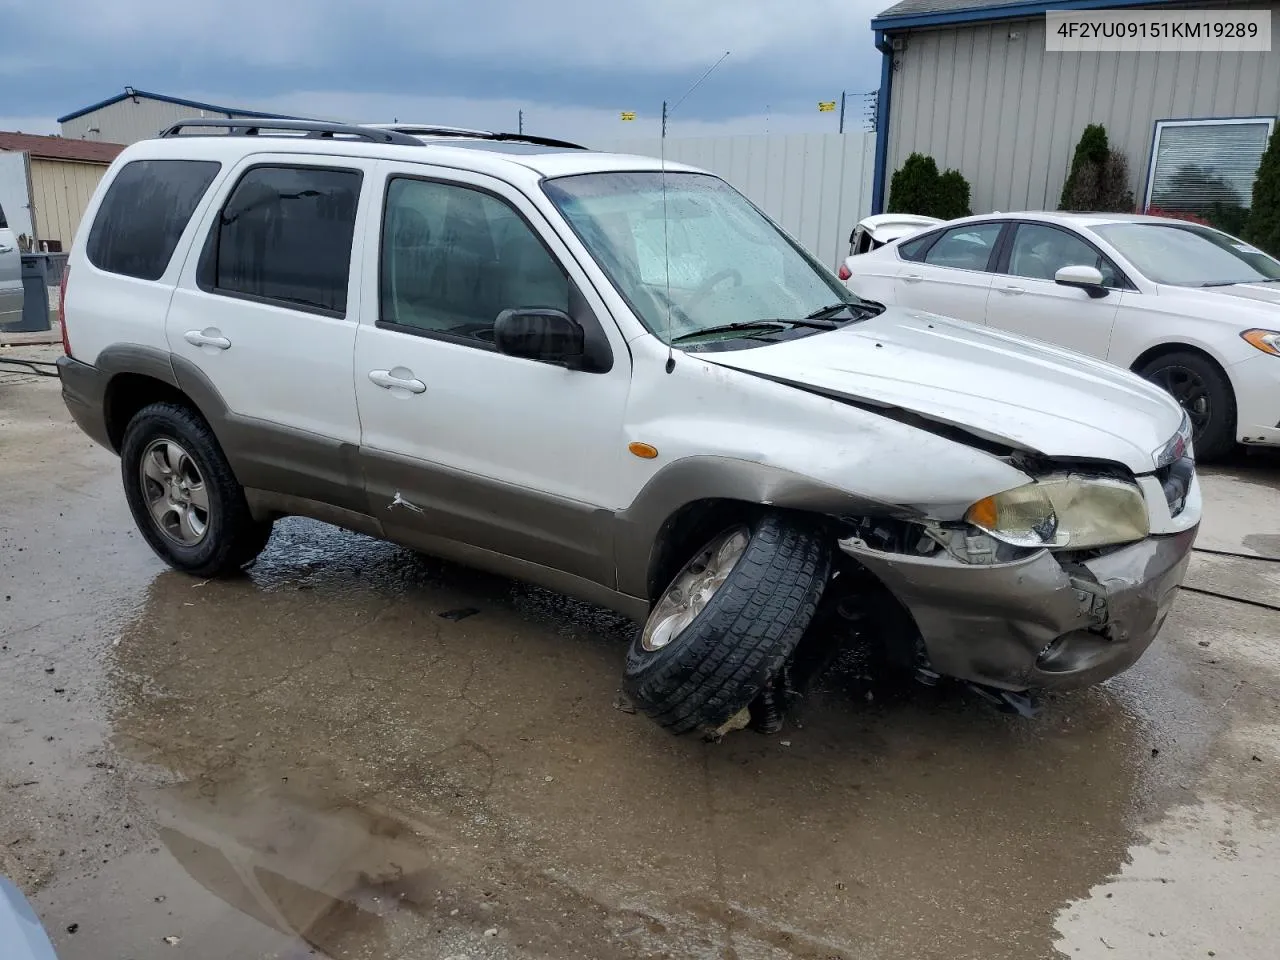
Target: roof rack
<point>319,129</point>
<point>433,130</point>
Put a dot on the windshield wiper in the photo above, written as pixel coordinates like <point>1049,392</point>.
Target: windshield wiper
<point>1237,283</point>
<point>830,309</point>
<point>730,327</point>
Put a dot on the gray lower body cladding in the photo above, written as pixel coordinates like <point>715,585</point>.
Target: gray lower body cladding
<point>1032,623</point>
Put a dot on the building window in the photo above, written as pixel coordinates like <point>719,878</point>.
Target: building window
<point>1206,168</point>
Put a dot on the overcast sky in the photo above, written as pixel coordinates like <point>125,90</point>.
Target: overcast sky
<point>571,65</point>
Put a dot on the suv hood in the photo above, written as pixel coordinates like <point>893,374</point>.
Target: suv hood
<point>1017,392</point>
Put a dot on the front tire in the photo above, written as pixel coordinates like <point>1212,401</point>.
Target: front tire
<point>1204,392</point>
<point>722,629</point>
<point>187,503</point>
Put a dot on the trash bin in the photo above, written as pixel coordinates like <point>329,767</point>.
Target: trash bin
<point>35,294</point>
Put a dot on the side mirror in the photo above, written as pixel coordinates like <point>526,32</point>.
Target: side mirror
<point>540,333</point>
<point>1088,279</point>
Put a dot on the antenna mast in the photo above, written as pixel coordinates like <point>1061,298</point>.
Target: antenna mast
<point>662,164</point>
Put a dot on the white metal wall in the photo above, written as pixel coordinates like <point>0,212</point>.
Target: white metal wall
<point>816,186</point>
<point>989,101</point>
<point>129,122</point>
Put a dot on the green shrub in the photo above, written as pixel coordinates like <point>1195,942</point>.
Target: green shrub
<point>1099,177</point>
<point>1263,226</point>
<point>914,187</point>
<point>952,196</point>
<point>918,188</point>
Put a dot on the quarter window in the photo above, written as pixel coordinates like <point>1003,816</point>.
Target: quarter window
<point>967,247</point>
<point>914,250</point>
<point>453,258</point>
<point>1038,252</point>
<point>285,235</point>
<point>143,215</point>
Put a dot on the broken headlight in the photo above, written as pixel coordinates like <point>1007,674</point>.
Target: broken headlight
<point>1064,510</point>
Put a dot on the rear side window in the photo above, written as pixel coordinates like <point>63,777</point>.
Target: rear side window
<point>967,247</point>
<point>284,236</point>
<point>142,217</point>
<point>915,250</point>
<point>3,222</point>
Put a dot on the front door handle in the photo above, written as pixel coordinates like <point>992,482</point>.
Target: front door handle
<point>1013,291</point>
<point>208,337</point>
<point>397,379</point>
<point>6,249</point>
<point>912,277</point>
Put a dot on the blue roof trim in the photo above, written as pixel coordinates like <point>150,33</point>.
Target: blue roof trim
<point>1008,11</point>
<point>163,98</point>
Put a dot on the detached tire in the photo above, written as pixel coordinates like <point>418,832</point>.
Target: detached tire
<point>184,498</point>
<point>722,629</point>
<point>1204,392</point>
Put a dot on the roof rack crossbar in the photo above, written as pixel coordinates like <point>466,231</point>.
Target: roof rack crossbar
<point>238,127</point>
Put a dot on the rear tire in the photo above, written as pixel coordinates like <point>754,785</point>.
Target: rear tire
<point>1204,392</point>
<point>184,498</point>
<point>722,630</point>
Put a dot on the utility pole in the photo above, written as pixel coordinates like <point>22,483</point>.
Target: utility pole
<point>843,94</point>
<point>521,129</point>
<point>664,119</point>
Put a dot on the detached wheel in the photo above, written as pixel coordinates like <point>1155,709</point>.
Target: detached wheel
<point>722,629</point>
<point>1204,392</point>
<point>183,496</point>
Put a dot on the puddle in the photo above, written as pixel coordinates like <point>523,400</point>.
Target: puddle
<point>363,764</point>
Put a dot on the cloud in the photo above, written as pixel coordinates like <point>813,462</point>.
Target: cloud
<point>554,54</point>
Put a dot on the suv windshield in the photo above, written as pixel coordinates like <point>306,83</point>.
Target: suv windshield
<point>1188,255</point>
<point>721,259</point>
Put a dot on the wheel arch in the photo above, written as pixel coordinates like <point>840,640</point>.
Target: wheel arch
<point>685,498</point>
<point>136,377</point>
<point>1176,346</point>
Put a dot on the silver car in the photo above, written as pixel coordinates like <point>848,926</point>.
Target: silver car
<point>10,275</point>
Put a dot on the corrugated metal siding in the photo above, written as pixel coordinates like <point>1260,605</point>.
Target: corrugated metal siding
<point>60,191</point>
<point>129,122</point>
<point>1007,114</point>
<point>816,186</point>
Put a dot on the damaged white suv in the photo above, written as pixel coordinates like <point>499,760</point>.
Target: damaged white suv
<point>624,384</point>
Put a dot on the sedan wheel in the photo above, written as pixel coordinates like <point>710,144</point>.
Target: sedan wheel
<point>1204,392</point>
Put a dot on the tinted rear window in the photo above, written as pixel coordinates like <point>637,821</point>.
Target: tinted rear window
<point>142,217</point>
<point>285,235</point>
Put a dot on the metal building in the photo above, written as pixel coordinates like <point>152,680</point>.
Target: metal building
<point>972,85</point>
<point>137,115</point>
<point>46,183</point>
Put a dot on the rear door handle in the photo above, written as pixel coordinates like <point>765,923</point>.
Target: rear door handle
<point>912,277</point>
<point>397,379</point>
<point>208,337</point>
<point>6,249</point>
<point>1013,291</point>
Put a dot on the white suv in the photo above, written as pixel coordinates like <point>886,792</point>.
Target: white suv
<point>620,382</point>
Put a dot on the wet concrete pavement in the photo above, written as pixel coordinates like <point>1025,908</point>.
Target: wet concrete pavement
<point>312,761</point>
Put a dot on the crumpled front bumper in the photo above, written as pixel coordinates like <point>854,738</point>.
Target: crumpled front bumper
<point>1032,623</point>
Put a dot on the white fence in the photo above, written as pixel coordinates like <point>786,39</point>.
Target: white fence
<point>816,185</point>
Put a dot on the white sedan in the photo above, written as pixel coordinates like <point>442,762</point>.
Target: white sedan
<point>1186,306</point>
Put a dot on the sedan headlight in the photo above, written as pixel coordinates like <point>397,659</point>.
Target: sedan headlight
<point>1064,510</point>
<point>1268,341</point>
<point>1178,447</point>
